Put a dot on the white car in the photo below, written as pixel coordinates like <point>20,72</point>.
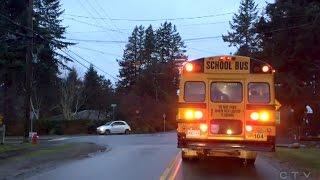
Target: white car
<point>114,127</point>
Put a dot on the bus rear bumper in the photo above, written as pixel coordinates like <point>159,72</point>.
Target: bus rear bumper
<point>220,145</point>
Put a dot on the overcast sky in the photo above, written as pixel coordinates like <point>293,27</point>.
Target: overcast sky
<point>104,20</point>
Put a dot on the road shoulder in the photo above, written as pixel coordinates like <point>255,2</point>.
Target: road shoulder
<point>293,163</point>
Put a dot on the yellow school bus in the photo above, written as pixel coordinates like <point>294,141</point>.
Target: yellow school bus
<point>226,107</point>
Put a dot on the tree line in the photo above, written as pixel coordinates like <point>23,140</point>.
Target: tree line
<point>148,75</point>
<point>53,91</point>
<point>287,35</point>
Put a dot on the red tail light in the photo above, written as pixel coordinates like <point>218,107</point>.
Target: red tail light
<point>191,114</point>
<point>262,115</point>
<point>254,116</point>
<point>188,67</point>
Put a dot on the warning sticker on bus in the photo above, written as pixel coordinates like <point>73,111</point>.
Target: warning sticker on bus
<point>227,65</point>
<point>227,111</point>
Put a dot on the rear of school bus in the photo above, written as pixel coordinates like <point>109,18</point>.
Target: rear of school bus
<point>226,108</point>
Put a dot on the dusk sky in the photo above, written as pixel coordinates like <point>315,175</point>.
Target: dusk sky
<point>102,21</point>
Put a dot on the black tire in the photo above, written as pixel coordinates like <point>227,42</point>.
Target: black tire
<point>127,131</point>
<point>107,132</point>
<point>250,162</point>
<point>184,157</point>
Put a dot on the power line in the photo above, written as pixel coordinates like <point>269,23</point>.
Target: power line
<point>74,59</point>
<point>98,31</point>
<point>94,50</point>
<point>105,12</point>
<point>202,38</point>
<point>34,32</point>
<point>95,10</point>
<point>119,42</point>
<point>71,57</point>
<point>183,25</point>
<point>194,39</point>
<point>275,30</point>
<point>93,65</point>
<point>96,40</point>
<point>203,24</point>
<point>160,19</point>
<point>84,7</point>
<point>201,50</point>
<point>95,25</point>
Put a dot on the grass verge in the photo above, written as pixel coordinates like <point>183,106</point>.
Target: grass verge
<point>303,157</point>
<point>9,147</point>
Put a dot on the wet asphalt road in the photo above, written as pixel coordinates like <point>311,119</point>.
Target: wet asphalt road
<point>148,157</point>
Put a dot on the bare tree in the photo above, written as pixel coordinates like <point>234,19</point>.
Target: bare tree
<point>35,101</point>
<point>71,97</point>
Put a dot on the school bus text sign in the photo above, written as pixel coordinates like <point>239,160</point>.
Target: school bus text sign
<point>226,111</point>
<point>234,65</point>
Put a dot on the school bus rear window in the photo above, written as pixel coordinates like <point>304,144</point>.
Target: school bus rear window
<point>259,92</point>
<point>194,91</point>
<point>226,92</point>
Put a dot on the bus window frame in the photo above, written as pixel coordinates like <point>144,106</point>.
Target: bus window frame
<point>184,92</point>
<point>269,100</point>
<point>242,98</point>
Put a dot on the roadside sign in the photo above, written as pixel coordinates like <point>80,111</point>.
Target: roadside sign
<point>113,105</point>
<point>164,115</point>
<point>1,120</point>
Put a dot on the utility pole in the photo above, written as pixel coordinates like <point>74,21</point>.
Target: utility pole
<point>113,111</point>
<point>314,84</point>
<point>28,69</point>
<point>155,84</point>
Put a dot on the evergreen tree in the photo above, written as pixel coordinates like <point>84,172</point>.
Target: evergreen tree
<point>12,56</point>
<point>91,88</point>
<point>169,45</point>
<point>133,58</point>
<point>106,94</point>
<point>243,35</point>
<point>48,37</point>
<point>169,48</point>
<point>149,46</point>
<point>291,42</point>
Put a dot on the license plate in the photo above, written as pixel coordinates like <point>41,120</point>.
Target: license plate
<point>193,133</point>
<point>257,136</point>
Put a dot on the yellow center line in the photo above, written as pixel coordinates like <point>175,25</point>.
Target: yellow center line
<point>166,173</point>
<point>173,176</point>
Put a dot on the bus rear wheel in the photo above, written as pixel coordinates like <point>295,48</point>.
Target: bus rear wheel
<point>186,157</point>
<point>249,162</point>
